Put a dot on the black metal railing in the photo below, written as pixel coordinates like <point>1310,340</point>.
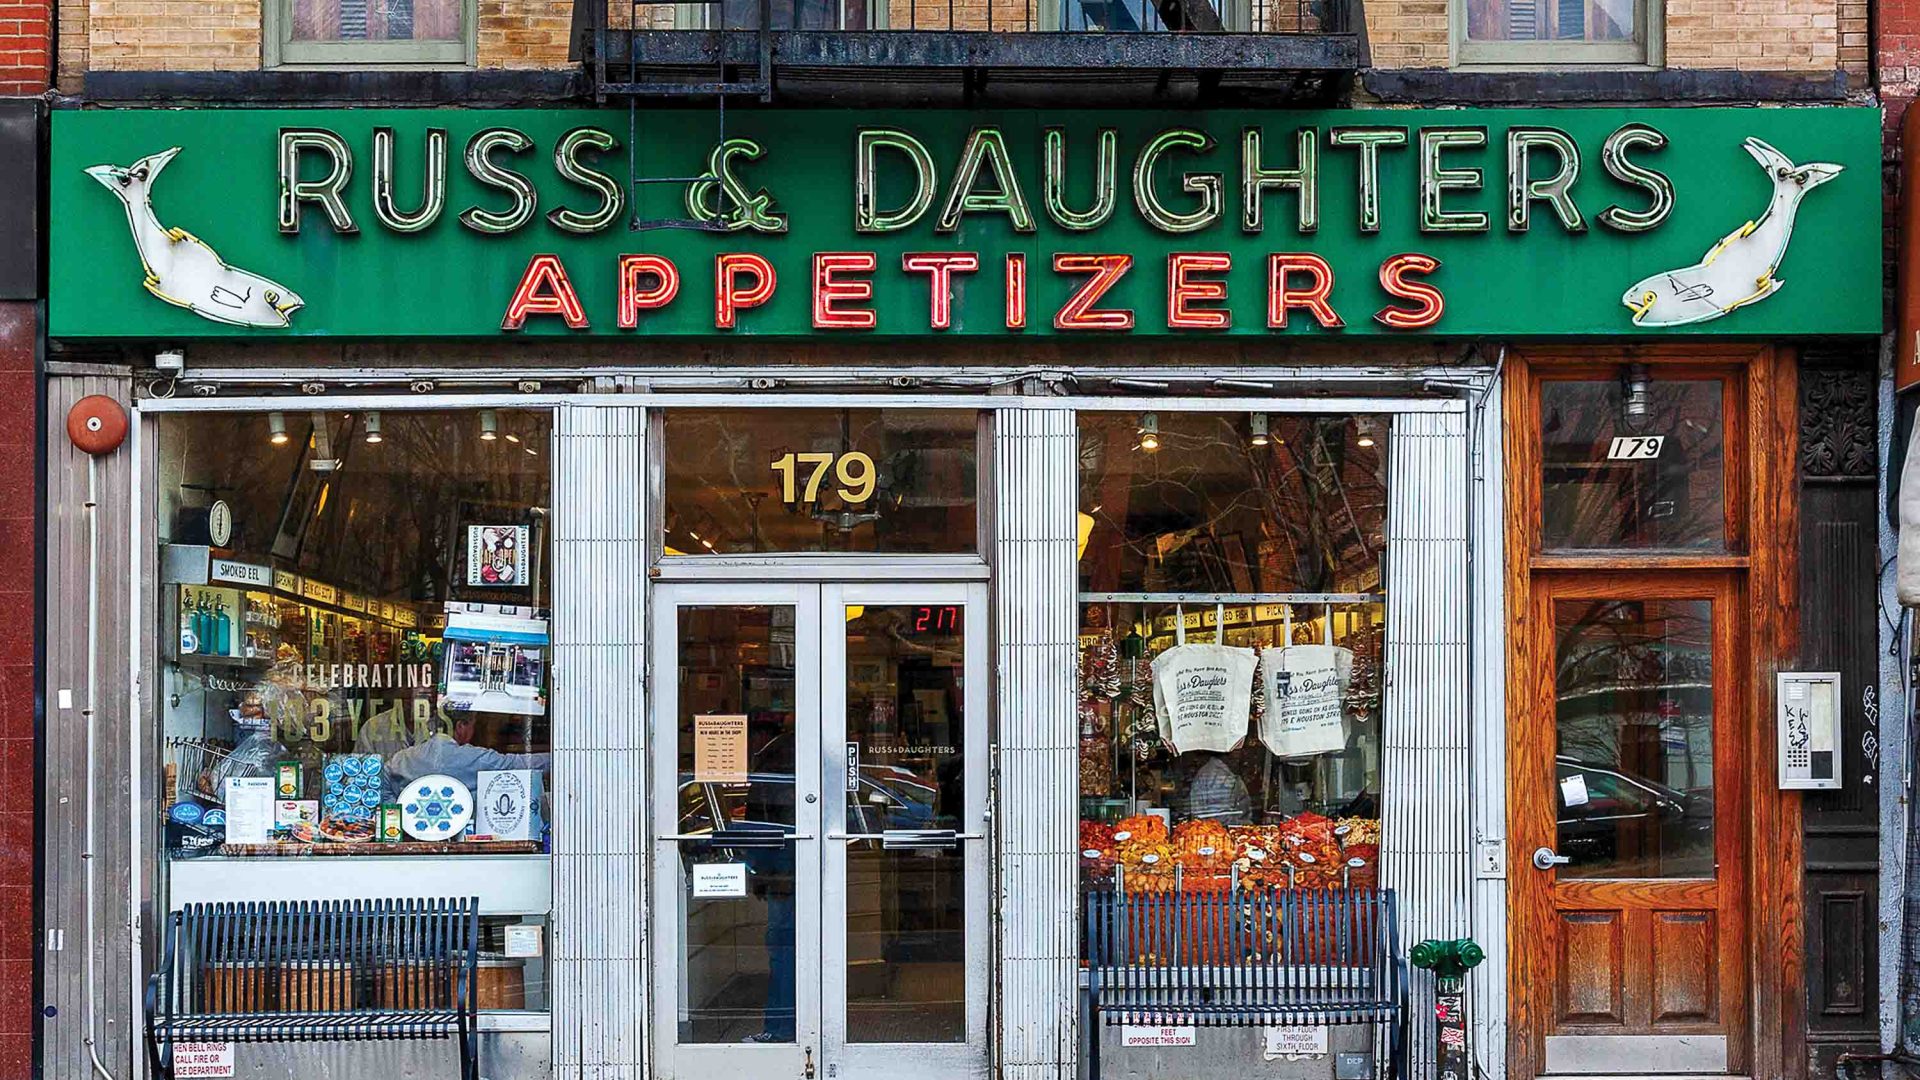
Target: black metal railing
<point>345,970</point>
<point>995,16</point>
<point>1248,957</point>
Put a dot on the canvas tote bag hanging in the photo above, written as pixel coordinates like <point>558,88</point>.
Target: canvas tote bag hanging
<point>1306,688</point>
<point>1202,694</point>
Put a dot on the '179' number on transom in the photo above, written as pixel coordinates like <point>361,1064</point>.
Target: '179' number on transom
<point>853,469</point>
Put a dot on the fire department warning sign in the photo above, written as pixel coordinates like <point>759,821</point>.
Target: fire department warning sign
<point>202,1059</point>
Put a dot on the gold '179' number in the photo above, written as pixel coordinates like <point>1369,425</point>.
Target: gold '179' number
<point>853,469</point>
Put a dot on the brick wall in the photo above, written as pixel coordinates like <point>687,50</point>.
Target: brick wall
<point>1408,33</point>
<point>1753,35</point>
<point>162,35</point>
<point>18,537</point>
<point>24,47</point>
<point>1747,35</point>
<point>1899,49</point>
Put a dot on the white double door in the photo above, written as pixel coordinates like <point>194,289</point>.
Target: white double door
<point>820,788</point>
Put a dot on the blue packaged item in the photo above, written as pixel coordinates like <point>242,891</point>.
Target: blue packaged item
<point>350,789</point>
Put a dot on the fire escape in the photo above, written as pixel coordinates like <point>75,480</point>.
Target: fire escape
<point>667,54</point>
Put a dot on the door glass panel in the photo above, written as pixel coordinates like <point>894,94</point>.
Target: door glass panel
<point>1632,463</point>
<point>736,750</point>
<point>1634,762</point>
<point>905,909</point>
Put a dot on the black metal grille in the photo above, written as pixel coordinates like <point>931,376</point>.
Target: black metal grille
<point>1248,958</point>
<point>316,971</point>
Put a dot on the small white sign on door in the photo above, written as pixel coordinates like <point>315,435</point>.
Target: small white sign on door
<point>1573,790</point>
<point>1635,447</point>
<point>1147,1035</point>
<point>719,881</point>
<point>202,1059</point>
<point>1293,1042</point>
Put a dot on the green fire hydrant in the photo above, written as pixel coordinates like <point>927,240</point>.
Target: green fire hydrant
<point>1449,961</point>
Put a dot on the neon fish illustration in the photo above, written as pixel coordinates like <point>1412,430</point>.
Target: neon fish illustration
<point>1739,269</point>
<point>181,268</point>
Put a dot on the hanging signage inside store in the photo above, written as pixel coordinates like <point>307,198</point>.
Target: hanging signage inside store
<point>240,573</point>
<point>1374,222</point>
<point>220,523</point>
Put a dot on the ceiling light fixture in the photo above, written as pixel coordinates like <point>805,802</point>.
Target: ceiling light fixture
<point>373,428</point>
<point>1257,429</point>
<point>1634,396</point>
<point>1150,432</point>
<point>277,428</point>
<point>489,425</point>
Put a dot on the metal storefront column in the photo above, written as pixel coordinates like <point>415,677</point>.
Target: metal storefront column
<point>1034,574</point>
<point>1424,744</point>
<point>599,743</point>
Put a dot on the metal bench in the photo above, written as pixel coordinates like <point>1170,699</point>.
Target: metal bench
<point>306,971</point>
<point>1249,959</point>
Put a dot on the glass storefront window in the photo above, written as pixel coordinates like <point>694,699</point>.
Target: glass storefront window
<point>1633,462</point>
<point>1288,798</point>
<point>898,481</point>
<point>354,649</point>
<point>1634,714</point>
<point>906,909</point>
<point>1250,502</point>
<point>737,685</point>
<point>1231,745</point>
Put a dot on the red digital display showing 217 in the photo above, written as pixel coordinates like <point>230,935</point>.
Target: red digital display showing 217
<point>934,620</point>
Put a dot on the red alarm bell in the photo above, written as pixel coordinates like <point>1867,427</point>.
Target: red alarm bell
<point>97,424</point>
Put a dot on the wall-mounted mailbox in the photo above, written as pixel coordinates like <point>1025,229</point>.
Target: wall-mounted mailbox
<point>1809,722</point>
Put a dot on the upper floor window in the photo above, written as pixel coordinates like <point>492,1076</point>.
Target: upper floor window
<point>1554,31</point>
<point>369,32</point>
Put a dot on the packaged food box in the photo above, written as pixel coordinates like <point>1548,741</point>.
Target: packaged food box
<point>507,805</point>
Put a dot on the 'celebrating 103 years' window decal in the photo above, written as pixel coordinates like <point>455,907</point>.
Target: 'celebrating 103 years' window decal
<point>1466,223</point>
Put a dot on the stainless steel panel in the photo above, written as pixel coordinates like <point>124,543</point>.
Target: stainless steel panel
<point>1425,850</point>
<point>1035,487</point>
<point>599,742</point>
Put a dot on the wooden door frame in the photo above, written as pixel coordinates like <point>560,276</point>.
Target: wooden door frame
<point>1760,460</point>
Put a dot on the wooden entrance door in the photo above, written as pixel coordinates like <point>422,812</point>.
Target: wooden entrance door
<point>1627,821</point>
<point>1652,569</point>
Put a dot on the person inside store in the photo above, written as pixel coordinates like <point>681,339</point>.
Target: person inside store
<point>450,751</point>
<point>1207,786</point>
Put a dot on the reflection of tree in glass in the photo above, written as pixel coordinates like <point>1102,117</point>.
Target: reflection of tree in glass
<point>1674,500</point>
<point>1209,512</point>
<point>1634,688</point>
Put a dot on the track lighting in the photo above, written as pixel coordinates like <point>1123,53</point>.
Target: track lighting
<point>373,428</point>
<point>277,429</point>
<point>1364,426</point>
<point>489,425</point>
<point>1257,429</point>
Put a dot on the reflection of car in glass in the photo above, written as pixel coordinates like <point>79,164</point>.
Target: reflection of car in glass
<point>1629,826</point>
<point>889,798</point>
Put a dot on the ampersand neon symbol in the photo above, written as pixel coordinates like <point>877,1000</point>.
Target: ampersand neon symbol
<point>739,209</point>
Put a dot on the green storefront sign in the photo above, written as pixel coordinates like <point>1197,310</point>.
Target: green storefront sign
<point>486,223</point>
